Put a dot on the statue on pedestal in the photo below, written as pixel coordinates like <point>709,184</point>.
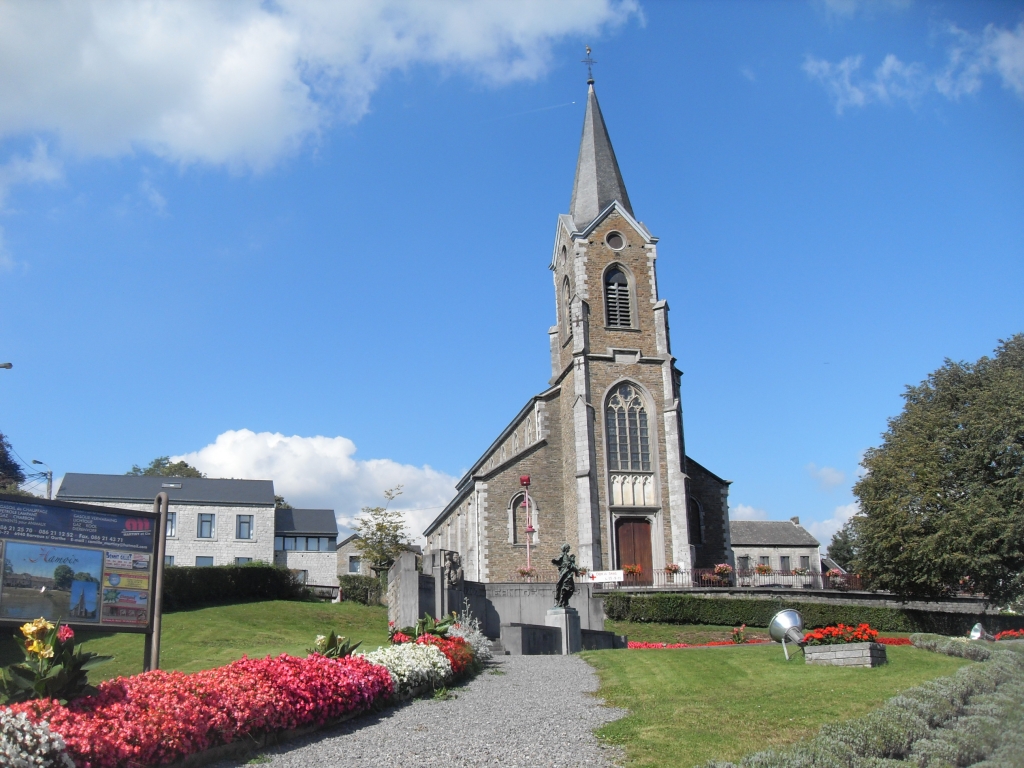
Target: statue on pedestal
<point>565,587</point>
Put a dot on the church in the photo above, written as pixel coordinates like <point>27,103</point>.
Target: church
<point>603,443</point>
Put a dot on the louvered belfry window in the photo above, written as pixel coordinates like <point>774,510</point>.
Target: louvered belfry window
<point>629,441</point>
<point>616,298</point>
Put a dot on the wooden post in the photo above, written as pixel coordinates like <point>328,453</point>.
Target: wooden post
<point>151,651</point>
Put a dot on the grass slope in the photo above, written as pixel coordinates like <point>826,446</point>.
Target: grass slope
<point>211,637</point>
<point>692,705</point>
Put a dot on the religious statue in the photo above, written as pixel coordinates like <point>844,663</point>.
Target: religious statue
<point>453,569</point>
<point>565,586</point>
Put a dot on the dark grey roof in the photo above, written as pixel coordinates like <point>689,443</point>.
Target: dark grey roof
<point>189,490</point>
<point>769,533</point>
<point>598,181</point>
<point>319,522</point>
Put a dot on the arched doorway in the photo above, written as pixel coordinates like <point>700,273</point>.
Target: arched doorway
<point>633,543</point>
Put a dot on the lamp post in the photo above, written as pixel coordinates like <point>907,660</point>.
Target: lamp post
<point>524,480</point>
<point>49,477</point>
<point>8,366</point>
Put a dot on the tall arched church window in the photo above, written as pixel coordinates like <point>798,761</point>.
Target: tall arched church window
<point>694,519</point>
<point>566,309</point>
<point>629,436</point>
<point>529,430</point>
<point>517,520</point>
<point>515,443</point>
<point>616,299</point>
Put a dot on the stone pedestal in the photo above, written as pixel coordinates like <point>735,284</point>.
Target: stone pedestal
<point>846,655</point>
<point>568,621</point>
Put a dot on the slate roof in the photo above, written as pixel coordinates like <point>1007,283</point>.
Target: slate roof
<point>769,533</point>
<point>180,490</point>
<point>598,181</point>
<point>305,522</point>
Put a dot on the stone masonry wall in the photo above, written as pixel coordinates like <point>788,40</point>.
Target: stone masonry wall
<point>321,567</point>
<point>846,655</point>
<point>711,493</point>
<point>185,546</point>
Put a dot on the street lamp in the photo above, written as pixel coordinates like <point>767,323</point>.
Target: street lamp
<point>8,366</point>
<point>49,477</point>
<point>524,481</point>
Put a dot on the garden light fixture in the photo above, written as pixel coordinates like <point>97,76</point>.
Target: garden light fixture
<point>787,625</point>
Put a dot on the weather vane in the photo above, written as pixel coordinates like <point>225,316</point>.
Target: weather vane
<point>590,67</point>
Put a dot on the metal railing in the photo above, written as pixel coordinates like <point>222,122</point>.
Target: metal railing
<point>323,591</point>
<point>705,578</point>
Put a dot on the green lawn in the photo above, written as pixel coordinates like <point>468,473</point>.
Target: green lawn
<point>210,637</point>
<point>690,633</point>
<point>688,706</point>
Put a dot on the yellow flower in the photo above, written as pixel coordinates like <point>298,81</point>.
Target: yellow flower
<point>38,648</point>
<point>36,629</point>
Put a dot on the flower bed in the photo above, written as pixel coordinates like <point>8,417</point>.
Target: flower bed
<point>893,640</point>
<point>637,645</point>
<point>841,633</point>
<point>157,717</point>
<point>412,665</point>
<point>1011,634</point>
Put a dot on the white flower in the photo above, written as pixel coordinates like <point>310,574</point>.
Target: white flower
<point>412,665</point>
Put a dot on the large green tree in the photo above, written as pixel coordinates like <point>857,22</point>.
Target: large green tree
<point>943,498</point>
<point>843,547</point>
<point>162,466</point>
<point>11,473</point>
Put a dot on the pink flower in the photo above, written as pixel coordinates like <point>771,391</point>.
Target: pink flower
<point>65,633</point>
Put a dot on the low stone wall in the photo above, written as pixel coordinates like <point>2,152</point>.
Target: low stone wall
<point>531,640</point>
<point>846,655</point>
<point>601,640</point>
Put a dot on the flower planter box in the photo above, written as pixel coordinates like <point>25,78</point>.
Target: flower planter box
<point>846,654</point>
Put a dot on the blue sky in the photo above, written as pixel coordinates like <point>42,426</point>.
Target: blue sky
<point>312,245</point>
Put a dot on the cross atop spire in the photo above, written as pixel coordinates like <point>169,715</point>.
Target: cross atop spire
<point>598,181</point>
<point>590,67</point>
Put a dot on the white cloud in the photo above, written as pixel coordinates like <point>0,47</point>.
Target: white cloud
<point>322,472</point>
<point>746,512</point>
<point>152,196</point>
<point>7,262</point>
<point>827,477</point>
<point>37,167</point>
<point>850,8</point>
<point>824,530</point>
<point>242,83</point>
<point>969,59</point>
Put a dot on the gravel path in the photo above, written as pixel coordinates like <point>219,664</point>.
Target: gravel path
<point>523,711</point>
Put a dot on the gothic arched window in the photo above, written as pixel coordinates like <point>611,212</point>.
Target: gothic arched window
<point>616,299</point>
<point>629,438</point>
<point>694,521</point>
<point>566,309</point>
<point>517,520</point>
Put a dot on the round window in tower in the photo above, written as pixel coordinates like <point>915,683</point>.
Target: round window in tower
<point>615,241</point>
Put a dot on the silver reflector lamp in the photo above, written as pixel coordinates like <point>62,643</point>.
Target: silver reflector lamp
<point>978,633</point>
<point>787,625</point>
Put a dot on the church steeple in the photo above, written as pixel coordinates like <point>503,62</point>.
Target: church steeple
<point>598,180</point>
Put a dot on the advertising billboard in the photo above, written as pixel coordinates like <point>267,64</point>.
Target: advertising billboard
<point>89,566</point>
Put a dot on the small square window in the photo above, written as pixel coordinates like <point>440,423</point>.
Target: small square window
<point>168,559</point>
<point>207,525</point>
<point>289,542</point>
<point>325,544</point>
<point>278,543</point>
<point>172,523</point>
<point>805,562</point>
<point>242,560</point>
<point>784,564</point>
<point>764,560</point>
<point>354,563</point>
<point>301,576</point>
<point>204,562</point>
<point>300,543</point>
<point>743,563</point>
<point>243,526</point>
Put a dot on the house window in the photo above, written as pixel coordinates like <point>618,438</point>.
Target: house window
<point>355,563</point>
<point>327,544</point>
<point>743,563</point>
<point>629,440</point>
<point>805,562</point>
<point>243,526</point>
<point>289,543</point>
<point>616,299</point>
<point>300,543</point>
<point>764,560</point>
<point>301,576</point>
<point>172,523</point>
<point>204,562</point>
<point>566,309</point>
<point>206,526</point>
<point>784,564</point>
<point>693,520</point>
<point>168,559</point>
<point>278,543</point>
<point>242,560</point>
<point>517,519</point>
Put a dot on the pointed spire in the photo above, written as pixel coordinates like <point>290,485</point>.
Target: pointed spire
<point>598,180</point>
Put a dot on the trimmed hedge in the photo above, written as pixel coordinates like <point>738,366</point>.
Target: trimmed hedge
<point>190,587</point>
<point>360,589</point>
<point>688,609</point>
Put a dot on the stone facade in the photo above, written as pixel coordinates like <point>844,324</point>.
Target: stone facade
<point>224,546</point>
<point>611,358</point>
<point>320,568</point>
<point>781,544</point>
<point>347,551</point>
<point>846,655</point>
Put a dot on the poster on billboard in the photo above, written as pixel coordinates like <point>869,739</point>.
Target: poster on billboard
<point>83,564</point>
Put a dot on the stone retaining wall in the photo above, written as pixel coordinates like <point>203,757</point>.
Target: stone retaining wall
<point>846,654</point>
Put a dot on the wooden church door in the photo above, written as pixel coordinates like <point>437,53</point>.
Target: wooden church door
<point>633,536</point>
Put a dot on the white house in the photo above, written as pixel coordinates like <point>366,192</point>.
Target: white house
<point>784,546</point>
<point>305,541</point>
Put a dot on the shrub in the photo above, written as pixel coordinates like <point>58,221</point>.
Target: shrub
<point>674,608</point>
<point>24,744</point>
<point>159,717</point>
<point>190,587</point>
<point>360,589</point>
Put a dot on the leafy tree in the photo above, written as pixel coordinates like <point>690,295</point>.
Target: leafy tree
<point>382,534</point>
<point>161,466</point>
<point>280,503</point>
<point>83,576</point>
<point>843,547</point>
<point>11,473</point>
<point>943,498</point>
<point>63,575</point>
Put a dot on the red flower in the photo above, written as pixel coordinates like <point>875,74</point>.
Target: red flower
<point>65,633</point>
